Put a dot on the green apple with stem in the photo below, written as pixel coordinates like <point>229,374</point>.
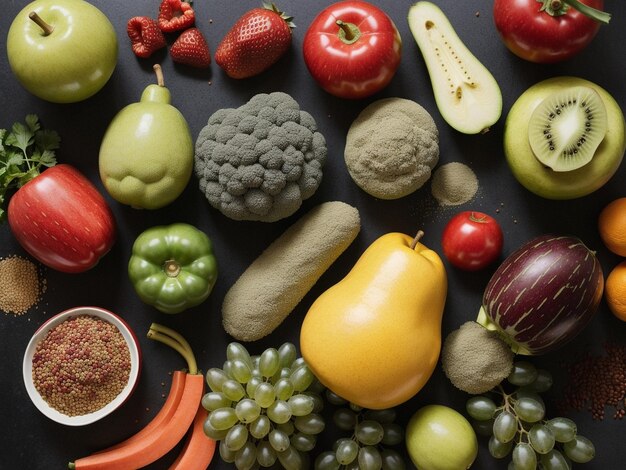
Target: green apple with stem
<point>62,51</point>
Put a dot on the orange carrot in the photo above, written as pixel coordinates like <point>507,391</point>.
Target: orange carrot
<point>164,414</point>
<point>199,448</point>
<point>153,445</point>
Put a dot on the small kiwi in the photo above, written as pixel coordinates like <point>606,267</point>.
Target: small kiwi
<point>567,127</point>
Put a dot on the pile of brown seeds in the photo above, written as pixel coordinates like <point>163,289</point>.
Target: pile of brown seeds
<point>597,382</point>
<point>21,286</point>
<point>81,365</point>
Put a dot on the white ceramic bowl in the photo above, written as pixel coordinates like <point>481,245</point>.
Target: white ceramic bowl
<point>135,361</point>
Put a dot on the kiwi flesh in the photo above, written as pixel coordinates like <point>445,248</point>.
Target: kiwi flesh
<point>567,127</point>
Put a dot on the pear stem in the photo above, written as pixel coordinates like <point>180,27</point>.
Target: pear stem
<point>416,239</point>
<point>47,28</point>
<point>159,74</point>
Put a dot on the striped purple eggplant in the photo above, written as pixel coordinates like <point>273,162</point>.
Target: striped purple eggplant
<point>543,294</point>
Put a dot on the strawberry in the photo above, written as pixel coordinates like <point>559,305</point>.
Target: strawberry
<point>255,42</point>
<point>175,15</point>
<point>191,48</point>
<point>145,36</point>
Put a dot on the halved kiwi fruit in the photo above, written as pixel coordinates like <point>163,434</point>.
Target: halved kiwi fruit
<point>567,127</point>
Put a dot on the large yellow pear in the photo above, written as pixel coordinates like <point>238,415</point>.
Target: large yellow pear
<point>374,338</point>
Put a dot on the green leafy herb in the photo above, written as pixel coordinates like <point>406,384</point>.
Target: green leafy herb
<point>25,151</point>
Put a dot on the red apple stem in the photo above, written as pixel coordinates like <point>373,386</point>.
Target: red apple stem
<point>47,28</point>
<point>159,74</point>
<point>416,239</point>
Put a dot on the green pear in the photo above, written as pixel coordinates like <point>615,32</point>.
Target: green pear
<point>146,155</point>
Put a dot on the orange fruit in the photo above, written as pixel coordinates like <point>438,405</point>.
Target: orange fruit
<point>615,291</point>
<point>612,226</point>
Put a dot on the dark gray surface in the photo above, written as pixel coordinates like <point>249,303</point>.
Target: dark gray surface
<point>32,441</point>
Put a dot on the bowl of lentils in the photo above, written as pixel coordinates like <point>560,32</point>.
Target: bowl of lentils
<point>81,365</point>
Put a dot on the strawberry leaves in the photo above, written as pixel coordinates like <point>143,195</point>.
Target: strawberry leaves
<point>24,151</point>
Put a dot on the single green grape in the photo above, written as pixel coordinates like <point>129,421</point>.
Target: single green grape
<point>247,410</point>
<point>529,410</point>
<point>283,388</point>
<point>227,455</point>
<point>300,405</point>
<point>318,402</point>
<point>369,432</point>
<point>269,362</point>
<point>237,351</point>
<point>214,400</point>
<point>279,412</point>
<point>392,460</point>
<point>215,378</point>
<point>228,369</point>
<point>543,382</point>
<point>236,438</point>
<point>523,373</point>
<point>303,442</point>
<point>369,458</point>
<point>301,378</point>
<point>245,457</point>
<point>528,392</point>
<point>564,429</point>
<point>297,363</point>
<point>480,408</point>
<point>326,461</point>
<point>334,399</point>
<point>499,449</point>
<point>265,394</point>
<point>553,460</point>
<point>310,424</point>
<point>316,387</point>
<point>279,440</point>
<point>223,418</point>
<point>286,354</point>
<point>260,427</point>
<point>505,426</point>
<point>347,451</point>
<point>384,416</point>
<point>541,438</point>
<point>291,459</point>
<point>345,419</point>
<point>580,449</point>
<point>393,434</point>
<point>241,371</point>
<point>215,434</point>
<point>251,386</point>
<point>338,442</point>
<point>288,427</point>
<point>524,457</point>
<point>233,390</point>
<point>483,428</point>
<point>265,454</point>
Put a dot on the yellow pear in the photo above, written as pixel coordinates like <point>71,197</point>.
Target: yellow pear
<point>374,337</point>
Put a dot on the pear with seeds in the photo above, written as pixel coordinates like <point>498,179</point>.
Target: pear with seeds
<point>467,95</point>
<point>146,155</point>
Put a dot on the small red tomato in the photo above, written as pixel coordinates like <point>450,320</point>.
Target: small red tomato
<point>472,240</point>
<point>352,49</point>
<point>547,31</point>
<point>62,220</point>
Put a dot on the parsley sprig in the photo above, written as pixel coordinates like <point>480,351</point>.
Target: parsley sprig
<point>25,151</point>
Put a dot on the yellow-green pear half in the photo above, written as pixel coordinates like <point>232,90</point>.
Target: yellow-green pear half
<point>146,155</point>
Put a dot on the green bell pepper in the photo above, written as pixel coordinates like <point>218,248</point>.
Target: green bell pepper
<point>173,267</point>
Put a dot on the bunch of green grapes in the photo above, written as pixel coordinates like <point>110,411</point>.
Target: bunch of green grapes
<point>263,408</point>
<point>518,424</point>
<point>371,431</point>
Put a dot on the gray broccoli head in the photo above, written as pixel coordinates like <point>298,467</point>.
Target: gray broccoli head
<point>261,160</point>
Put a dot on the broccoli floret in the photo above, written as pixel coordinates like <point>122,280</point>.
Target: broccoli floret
<point>261,160</point>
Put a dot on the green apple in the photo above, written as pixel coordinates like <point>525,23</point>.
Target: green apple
<point>146,154</point>
<point>544,181</point>
<point>440,438</point>
<point>62,50</point>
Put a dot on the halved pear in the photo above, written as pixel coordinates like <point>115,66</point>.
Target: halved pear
<point>467,95</point>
